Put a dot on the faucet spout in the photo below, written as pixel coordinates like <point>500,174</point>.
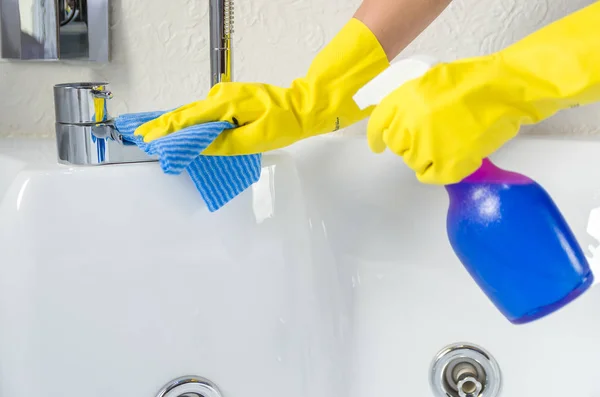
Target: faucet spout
<point>221,31</point>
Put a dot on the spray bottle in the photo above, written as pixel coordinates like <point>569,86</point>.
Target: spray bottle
<point>503,226</point>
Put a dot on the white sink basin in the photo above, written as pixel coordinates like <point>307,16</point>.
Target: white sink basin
<point>332,276</point>
<point>116,279</point>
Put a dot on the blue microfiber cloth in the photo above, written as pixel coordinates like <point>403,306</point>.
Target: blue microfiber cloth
<point>218,178</point>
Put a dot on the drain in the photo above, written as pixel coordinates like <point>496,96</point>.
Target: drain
<point>190,386</point>
<point>465,370</point>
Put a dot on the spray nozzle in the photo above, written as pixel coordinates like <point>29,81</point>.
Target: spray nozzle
<point>393,77</point>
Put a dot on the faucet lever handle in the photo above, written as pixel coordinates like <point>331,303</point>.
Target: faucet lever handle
<point>100,93</point>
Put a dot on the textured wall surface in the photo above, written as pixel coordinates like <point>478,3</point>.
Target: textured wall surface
<point>160,53</point>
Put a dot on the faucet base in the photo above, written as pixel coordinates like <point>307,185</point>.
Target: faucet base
<point>95,144</point>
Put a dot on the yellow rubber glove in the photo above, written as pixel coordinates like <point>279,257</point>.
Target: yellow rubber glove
<point>273,117</point>
<point>444,123</point>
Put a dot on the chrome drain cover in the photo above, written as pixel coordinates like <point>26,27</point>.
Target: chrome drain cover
<point>464,370</point>
<point>190,386</point>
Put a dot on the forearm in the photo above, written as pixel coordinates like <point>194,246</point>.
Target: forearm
<point>396,23</point>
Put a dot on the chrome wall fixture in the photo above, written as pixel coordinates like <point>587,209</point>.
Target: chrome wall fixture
<point>54,30</point>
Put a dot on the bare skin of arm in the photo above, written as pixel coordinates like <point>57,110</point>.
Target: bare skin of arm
<point>396,23</point>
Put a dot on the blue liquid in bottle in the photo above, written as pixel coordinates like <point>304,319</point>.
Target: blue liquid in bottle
<point>511,237</point>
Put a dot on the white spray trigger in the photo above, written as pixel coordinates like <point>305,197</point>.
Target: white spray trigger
<point>393,77</point>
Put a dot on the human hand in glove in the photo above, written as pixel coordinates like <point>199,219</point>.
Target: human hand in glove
<point>444,123</point>
<point>272,117</point>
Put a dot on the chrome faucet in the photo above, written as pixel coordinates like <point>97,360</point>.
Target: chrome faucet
<point>85,131</point>
<point>221,31</point>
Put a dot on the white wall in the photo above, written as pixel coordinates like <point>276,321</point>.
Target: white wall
<point>160,53</point>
